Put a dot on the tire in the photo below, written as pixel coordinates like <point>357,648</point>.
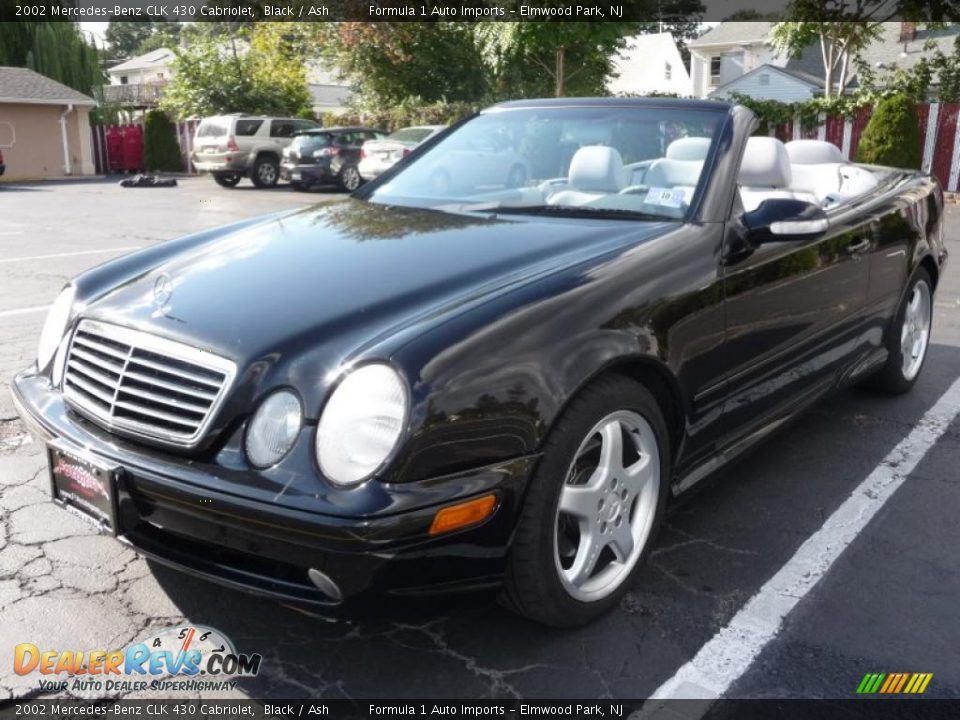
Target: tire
<point>349,178</point>
<point>908,338</point>
<point>227,180</point>
<point>517,177</point>
<point>551,545</point>
<point>265,172</point>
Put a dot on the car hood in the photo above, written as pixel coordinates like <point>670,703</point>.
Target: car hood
<point>339,278</point>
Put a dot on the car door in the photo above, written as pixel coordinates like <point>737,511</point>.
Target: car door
<point>794,320</point>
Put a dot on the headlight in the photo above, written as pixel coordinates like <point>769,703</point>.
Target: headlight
<point>361,424</point>
<point>273,429</point>
<point>55,326</point>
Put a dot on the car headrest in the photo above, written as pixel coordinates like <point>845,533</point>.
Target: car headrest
<point>765,164</point>
<point>813,152</point>
<point>688,148</point>
<point>597,168</point>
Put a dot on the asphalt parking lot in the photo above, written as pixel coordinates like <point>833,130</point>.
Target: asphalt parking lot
<point>887,603</point>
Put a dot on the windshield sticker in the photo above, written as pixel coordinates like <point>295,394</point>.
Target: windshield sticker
<point>666,197</point>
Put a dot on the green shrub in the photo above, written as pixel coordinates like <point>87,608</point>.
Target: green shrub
<point>892,137</point>
<point>161,151</point>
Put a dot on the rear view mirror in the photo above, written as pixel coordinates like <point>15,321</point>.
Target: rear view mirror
<point>784,218</point>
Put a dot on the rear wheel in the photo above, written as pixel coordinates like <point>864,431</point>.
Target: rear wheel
<point>593,506</point>
<point>227,180</point>
<point>349,178</point>
<point>908,338</point>
<point>265,173</point>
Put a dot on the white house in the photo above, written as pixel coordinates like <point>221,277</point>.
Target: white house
<point>152,67</point>
<point>727,51</point>
<point>736,56</point>
<point>650,64</point>
<point>769,82</point>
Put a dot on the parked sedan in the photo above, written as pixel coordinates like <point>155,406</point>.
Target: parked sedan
<point>379,155</point>
<point>420,390</point>
<point>325,157</point>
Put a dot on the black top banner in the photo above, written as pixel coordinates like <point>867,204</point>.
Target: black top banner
<point>447,709</point>
<point>479,10</point>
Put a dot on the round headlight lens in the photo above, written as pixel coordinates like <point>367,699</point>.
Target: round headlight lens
<point>55,326</point>
<point>361,424</point>
<point>273,429</point>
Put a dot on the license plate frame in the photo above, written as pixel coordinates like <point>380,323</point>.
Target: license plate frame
<point>85,485</point>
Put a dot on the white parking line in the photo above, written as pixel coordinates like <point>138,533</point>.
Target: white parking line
<point>12,232</point>
<point>729,654</point>
<point>70,254</point>
<point>24,311</point>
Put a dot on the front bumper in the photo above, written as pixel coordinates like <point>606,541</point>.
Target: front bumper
<point>269,549</point>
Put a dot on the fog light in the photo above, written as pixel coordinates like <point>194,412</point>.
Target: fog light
<point>462,515</point>
<point>273,429</point>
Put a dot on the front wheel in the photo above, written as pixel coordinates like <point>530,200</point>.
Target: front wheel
<point>592,508</point>
<point>908,338</point>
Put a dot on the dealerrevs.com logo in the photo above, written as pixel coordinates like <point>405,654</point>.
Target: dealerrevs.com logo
<point>186,658</point>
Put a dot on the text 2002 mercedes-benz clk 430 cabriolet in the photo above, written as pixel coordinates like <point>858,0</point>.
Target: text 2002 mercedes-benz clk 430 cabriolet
<point>468,375</point>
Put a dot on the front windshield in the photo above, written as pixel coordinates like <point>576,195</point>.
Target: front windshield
<point>610,160</point>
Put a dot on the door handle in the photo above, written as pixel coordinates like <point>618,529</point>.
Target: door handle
<point>858,247</point>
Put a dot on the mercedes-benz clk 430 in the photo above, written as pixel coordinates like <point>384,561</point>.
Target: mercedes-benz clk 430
<point>461,377</point>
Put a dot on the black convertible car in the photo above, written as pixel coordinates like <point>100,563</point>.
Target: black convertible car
<point>443,383</point>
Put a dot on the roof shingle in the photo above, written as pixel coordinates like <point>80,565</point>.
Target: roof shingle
<point>23,85</point>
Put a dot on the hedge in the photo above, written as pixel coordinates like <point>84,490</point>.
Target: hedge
<point>892,137</point>
<point>161,151</point>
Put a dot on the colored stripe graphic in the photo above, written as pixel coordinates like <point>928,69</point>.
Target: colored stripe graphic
<point>894,683</point>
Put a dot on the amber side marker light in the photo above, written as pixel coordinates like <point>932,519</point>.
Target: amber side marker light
<point>458,516</point>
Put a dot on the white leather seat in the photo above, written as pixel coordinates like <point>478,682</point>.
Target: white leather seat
<point>765,173</point>
<point>819,168</point>
<point>815,167</point>
<point>595,171</point>
<point>681,165</point>
<point>688,148</point>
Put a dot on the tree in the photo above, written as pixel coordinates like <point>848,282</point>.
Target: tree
<point>892,137</point>
<point>161,151</point>
<point>553,58</point>
<point>389,62</point>
<point>55,49</point>
<point>263,71</point>
<point>839,43</point>
<point>130,38</point>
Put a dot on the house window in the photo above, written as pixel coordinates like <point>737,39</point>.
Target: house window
<point>123,79</point>
<point>715,70</point>
<point>159,76</point>
<point>667,71</point>
<point>764,79</point>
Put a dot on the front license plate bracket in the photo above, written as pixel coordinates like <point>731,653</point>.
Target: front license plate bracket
<point>85,485</point>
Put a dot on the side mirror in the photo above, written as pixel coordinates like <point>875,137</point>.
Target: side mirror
<point>777,219</point>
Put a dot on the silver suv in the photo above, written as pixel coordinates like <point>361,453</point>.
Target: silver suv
<point>231,147</point>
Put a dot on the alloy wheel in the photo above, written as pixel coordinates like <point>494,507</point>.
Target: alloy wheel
<point>607,506</point>
<point>267,173</point>
<point>351,179</point>
<point>915,330</point>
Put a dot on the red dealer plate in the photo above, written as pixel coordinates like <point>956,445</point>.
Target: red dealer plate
<point>84,484</point>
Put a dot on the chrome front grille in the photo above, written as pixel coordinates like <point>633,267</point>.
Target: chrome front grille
<point>146,385</point>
